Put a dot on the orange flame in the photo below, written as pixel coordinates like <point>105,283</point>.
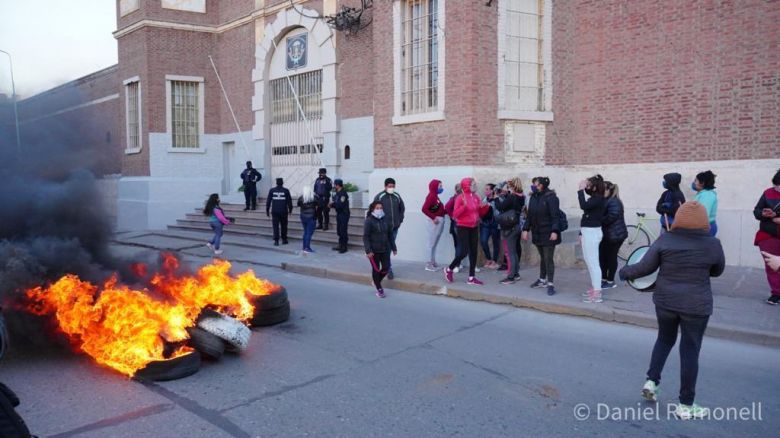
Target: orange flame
<point>125,329</point>
<point>212,286</point>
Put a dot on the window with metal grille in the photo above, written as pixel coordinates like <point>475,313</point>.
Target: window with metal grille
<point>419,56</point>
<point>524,89</point>
<point>184,114</point>
<point>133,96</point>
<point>308,87</point>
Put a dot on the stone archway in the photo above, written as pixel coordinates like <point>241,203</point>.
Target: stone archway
<point>321,36</point>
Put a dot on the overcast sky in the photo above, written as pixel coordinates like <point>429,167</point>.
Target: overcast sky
<point>54,41</point>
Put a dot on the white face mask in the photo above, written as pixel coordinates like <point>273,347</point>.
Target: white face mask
<point>390,190</point>
<point>379,214</point>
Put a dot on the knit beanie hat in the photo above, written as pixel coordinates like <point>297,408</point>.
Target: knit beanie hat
<point>691,216</point>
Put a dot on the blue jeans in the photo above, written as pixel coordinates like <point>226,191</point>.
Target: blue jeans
<point>486,234</point>
<point>713,228</point>
<point>395,234</point>
<point>217,239</point>
<point>308,230</point>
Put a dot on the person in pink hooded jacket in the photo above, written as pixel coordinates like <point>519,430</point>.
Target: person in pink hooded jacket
<point>467,210</point>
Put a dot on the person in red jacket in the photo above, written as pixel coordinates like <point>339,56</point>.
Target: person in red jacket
<point>767,212</point>
<point>467,210</point>
<point>433,208</point>
<point>449,207</point>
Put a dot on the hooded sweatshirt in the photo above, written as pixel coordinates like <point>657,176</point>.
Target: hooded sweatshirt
<point>433,207</point>
<point>468,208</point>
<point>671,199</point>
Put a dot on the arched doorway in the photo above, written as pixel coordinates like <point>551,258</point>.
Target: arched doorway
<point>295,109</point>
<point>297,56</point>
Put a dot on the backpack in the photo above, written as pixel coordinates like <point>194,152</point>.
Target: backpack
<point>563,221</point>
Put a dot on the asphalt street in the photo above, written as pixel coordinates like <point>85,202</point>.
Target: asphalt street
<point>350,364</point>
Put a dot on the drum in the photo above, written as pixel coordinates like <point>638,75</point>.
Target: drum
<point>643,284</point>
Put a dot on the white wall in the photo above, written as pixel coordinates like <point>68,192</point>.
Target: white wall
<point>739,185</point>
<point>358,133</point>
<point>181,181</point>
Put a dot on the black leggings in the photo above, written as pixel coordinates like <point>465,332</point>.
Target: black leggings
<point>546,262</point>
<point>608,258</point>
<point>468,244</point>
<point>380,263</point>
<point>692,328</point>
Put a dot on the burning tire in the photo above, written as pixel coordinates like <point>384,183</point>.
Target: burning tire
<point>170,369</point>
<point>208,345</point>
<point>232,331</point>
<point>268,302</point>
<point>263,318</point>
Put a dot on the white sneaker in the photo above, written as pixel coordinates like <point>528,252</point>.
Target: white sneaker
<point>456,270</point>
<point>209,245</point>
<point>686,412</point>
<point>431,268</point>
<point>217,251</point>
<point>650,391</point>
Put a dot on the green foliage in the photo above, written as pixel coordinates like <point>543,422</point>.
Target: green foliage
<point>349,187</point>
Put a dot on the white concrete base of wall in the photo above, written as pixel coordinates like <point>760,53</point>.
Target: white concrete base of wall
<point>739,185</point>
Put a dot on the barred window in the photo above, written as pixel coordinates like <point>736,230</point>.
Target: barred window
<point>524,88</point>
<point>419,56</point>
<point>184,114</point>
<point>133,101</point>
<point>308,87</point>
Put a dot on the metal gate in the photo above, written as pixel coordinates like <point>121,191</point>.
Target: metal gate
<point>296,141</point>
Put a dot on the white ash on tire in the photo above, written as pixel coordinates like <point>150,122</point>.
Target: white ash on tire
<point>230,330</point>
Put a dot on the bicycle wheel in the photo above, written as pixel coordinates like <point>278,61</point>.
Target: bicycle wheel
<point>637,237</point>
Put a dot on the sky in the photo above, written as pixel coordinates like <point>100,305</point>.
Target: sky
<point>54,41</point>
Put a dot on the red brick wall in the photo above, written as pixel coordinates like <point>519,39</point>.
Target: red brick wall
<point>235,59</point>
<point>471,133</point>
<point>153,10</point>
<point>132,62</point>
<point>356,69</point>
<point>665,81</point>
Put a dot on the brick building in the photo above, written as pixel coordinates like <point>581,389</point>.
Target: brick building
<point>447,89</point>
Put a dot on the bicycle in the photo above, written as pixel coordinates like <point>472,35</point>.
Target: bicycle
<point>638,235</point>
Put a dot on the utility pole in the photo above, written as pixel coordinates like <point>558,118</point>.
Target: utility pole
<point>16,112</point>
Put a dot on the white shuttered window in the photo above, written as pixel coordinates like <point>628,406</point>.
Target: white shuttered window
<point>524,89</point>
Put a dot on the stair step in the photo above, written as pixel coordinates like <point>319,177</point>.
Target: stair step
<point>354,227</point>
<point>319,236</point>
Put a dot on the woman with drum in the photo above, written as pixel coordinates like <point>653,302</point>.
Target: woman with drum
<point>685,258</point>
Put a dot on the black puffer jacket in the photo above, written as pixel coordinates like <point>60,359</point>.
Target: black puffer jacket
<point>672,198</point>
<point>543,213</point>
<point>308,209</point>
<point>686,260</point>
<point>613,222</point>
<point>377,235</point>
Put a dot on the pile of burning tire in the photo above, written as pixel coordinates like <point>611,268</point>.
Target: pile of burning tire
<point>216,334</point>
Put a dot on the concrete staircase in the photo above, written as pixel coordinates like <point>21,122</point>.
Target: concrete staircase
<point>255,224</point>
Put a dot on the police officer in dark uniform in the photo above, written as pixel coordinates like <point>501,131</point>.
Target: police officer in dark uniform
<point>340,202</point>
<point>279,206</point>
<point>322,188</point>
<point>250,177</point>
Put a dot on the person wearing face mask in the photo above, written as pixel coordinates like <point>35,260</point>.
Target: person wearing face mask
<point>704,186</point>
<point>510,205</point>
<point>249,178</point>
<point>591,233</point>
<point>488,228</point>
<point>449,207</point>
<point>323,185</point>
<point>767,212</point>
<point>378,242</point>
<point>467,212</point>
<point>433,209</point>
<point>671,199</point>
<point>394,210</point>
<point>544,226</point>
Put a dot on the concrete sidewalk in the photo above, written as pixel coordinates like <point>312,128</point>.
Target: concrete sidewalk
<point>740,312</point>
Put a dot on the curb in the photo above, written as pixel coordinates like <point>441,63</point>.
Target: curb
<point>720,331</point>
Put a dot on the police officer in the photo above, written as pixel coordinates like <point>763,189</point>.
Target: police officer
<point>340,202</point>
<point>322,188</point>
<point>250,177</point>
<point>279,204</point>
